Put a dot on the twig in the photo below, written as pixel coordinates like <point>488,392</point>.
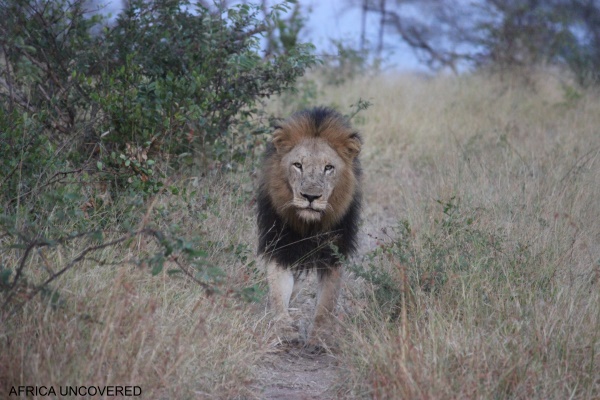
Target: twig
<point>48,183</point>
<point>209,290</point>
<point>9,81</point>
<point>74,261</point>
<point>9,174</point>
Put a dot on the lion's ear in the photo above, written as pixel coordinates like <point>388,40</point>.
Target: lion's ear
<point>353,145</point>
<point>281,141</point>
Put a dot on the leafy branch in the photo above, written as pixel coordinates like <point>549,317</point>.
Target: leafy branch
<point>168,247</point>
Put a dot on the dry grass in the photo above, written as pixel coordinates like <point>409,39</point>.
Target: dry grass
<point>496,298</point>
<point>119,325</point>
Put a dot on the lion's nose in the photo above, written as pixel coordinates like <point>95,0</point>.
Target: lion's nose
<point>310,197</point>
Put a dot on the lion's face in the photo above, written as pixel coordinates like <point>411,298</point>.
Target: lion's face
<point>313,170</point>
<point>310,173</point>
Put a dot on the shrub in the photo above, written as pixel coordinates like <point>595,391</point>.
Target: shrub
<point>166,78</point>
<point>96,112</point>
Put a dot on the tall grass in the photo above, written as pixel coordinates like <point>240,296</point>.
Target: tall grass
<point>478,274</point>
<point>116,324</point>
<point>484,281</point>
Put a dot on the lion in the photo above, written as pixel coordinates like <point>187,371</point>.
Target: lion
<point>309,201</point>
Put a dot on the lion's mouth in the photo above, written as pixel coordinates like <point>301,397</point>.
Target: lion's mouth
<point>310,214</point>
<point>311,207</point>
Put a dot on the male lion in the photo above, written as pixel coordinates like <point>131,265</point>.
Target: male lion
<point>308,209</point>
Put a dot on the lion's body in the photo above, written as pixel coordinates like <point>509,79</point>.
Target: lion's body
<point>309,203</point>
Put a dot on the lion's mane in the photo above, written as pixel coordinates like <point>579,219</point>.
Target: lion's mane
<point>283,236</point>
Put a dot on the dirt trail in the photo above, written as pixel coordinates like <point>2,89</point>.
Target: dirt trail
<point>290,371</point>
<point>296,374</point>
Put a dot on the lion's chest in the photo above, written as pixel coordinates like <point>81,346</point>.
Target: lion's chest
<point>309,249</point>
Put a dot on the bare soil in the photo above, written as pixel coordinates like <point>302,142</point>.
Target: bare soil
<point>296,374</point>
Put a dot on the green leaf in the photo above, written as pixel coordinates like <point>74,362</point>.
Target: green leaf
<point>158,266</point>
<point>98,236</point>
<point>5,275</point>
<point>195,252</point>
<point>174,272</point>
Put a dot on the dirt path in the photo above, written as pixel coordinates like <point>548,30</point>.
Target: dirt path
<point>296,374</point>
<point>291,372</point>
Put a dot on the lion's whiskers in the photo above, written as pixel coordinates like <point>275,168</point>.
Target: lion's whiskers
<point>285,205</point>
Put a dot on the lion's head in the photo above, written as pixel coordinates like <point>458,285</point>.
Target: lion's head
<point>311,170</point>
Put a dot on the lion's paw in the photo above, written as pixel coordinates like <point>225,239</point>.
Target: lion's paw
<point>284,331</point>
<point>320,342</point>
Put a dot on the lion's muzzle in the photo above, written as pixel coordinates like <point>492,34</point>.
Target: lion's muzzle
<point>311,197</point>
<point>310,207</point>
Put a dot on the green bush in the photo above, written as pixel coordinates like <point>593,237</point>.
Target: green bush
<point>96,114</point>
<point>166,78</point>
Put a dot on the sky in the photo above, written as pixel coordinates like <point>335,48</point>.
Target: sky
<point>336,19</point>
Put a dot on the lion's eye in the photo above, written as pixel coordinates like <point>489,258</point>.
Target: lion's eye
<point>297,165</point>
<point>328,167</point>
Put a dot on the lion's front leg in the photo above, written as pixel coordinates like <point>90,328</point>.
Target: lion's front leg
<point>281,285</point>
<point>329,288</point>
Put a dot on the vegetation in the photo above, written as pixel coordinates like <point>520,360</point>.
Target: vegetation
<point>127,237</point>
<point>497,34</point>
<point>95,114</point>
<point>100,118</point>
<point>482,278</point>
